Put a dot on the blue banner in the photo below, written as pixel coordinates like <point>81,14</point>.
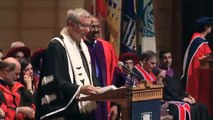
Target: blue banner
<point>128,38</point>
<point>145,13</point>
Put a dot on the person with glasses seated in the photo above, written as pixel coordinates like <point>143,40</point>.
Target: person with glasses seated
<point>66,73</point>
<point>129,60</point>
<point>144,70</point>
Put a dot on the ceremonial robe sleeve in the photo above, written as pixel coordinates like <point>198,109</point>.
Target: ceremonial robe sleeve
<point>58,86</point>
<point>56,64</point>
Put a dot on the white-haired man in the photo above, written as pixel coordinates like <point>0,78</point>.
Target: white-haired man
<point>66,73</point>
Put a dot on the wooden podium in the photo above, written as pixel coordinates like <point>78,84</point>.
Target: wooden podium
<point>136,103</point>
<point>206,82</point>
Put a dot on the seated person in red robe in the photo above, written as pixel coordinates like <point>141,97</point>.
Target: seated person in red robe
<point>15,101</point>
<point>144,69</point>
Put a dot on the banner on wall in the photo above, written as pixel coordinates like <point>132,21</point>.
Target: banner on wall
<point>128,37</point>
<point>124,40</point>
<point>109,14</point>
<point>113,20</point>
<point>147,30</point>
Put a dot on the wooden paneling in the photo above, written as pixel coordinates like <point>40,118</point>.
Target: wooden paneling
<point>8,19</point>
<point>70,4</point>
<point>34,36</point>
<point>35,4</point>
<point>7,3</point>
<point>62,18</point>
<point>34,22</point>
<point>169,30</point>
<point>6,37</point>
<point>38,18</point>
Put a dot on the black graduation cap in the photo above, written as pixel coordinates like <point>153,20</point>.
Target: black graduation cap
<point>203,21</point>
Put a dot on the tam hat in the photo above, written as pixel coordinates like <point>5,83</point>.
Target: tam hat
<point>26,51</point>
<point>129,56</point>
<point>36,56</point>
<point>202,21</point>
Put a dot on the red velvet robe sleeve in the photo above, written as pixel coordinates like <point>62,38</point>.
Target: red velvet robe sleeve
<point>111,61</point>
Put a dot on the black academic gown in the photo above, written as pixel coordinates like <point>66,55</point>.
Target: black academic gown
<point>173,91</point>
<point>65,105</point>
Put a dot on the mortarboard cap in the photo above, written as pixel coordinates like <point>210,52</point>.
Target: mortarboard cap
<point>202,21</point>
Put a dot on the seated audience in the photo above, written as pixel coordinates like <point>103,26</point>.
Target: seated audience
<point>15,101</point>
<point>19,53</point>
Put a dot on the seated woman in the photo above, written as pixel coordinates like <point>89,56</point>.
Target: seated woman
<point>26,75</point>
<point>144,69</point>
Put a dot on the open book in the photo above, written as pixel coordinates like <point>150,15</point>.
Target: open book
<point>107,88</point>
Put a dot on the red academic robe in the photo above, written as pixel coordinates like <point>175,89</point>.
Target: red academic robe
<point>111,60</point>
<point>102,53</point>
<point>12,101</point>
<point>197,48</point>
<point>143,74</point>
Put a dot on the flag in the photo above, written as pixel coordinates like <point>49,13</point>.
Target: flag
<point>147,29</point>
<point>109,14</point>
<point>113,21</point>
<point>101,8</point>
<point>97,8</point>
<point>90,6</point>
<point>128,37</point>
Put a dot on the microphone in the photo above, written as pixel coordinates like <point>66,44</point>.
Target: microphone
<point>121,64</point>
<point>156,70</point>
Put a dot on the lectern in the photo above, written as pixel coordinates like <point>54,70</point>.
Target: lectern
<point>136,103</point>
<point>206,82</point>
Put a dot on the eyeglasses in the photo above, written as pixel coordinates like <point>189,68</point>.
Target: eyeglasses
<point>83,26</point>
<point>95,26</point>
<point>128,63</point>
